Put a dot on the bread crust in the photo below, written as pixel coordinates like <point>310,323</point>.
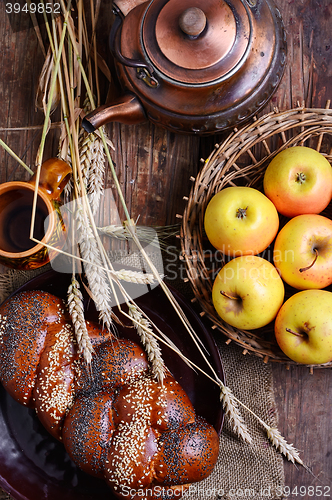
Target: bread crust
<point>114,419</point>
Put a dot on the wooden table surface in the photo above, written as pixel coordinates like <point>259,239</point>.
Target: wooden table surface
<point>154,169</point>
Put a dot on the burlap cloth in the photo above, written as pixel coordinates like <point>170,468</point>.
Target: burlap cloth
<point>252,471</point>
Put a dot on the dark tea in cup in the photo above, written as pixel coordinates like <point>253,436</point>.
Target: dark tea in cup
<point>15,220</point>
<point>17,249</point>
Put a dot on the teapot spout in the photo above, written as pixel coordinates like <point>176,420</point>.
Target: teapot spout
<point>127,109</point>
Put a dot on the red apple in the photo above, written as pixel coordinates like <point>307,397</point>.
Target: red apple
<point>303,327</point>
<point>299,181</point>
<point>303,252</point>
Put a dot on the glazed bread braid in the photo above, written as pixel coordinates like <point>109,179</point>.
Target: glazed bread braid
<point>115,421</point>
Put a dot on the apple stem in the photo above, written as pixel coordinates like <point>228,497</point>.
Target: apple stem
<point>310,266</point>
<point>298,334</point>
<point>300,177</point>
<point>241,213</point>
<point>233,297</point>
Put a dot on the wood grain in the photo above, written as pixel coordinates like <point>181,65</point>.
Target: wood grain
<point>303,401</point>
<point>154,167</point>
<point>302,398</point>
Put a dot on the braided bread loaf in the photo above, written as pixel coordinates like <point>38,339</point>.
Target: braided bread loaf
<point>115,421</point>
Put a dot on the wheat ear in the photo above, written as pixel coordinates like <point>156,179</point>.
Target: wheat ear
<point>96,173</point>
<point>135,277</point>
<point>154,236</point>
<point>276,439</point>
<point>281,444</point>
<point>92,163</point>
<point>232,411</point>
<point>85,147</point>
<point>96,276</point>
<point>149,342</point>
<point>76,311</point>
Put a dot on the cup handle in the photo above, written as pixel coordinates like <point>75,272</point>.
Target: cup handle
<point>54,175</point>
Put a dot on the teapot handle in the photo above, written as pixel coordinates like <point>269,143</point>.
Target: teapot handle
<point>144,70</point>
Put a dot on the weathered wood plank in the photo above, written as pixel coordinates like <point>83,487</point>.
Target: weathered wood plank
<point>154,167</point>
<point>303,399</point>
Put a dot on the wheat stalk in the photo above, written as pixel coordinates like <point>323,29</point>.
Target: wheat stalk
<point>14,155</point>
<point>230,405</point>
<point>96,276</point>
<point>281,444</point>
<point>85,154</point>
<point>85,147</point>
<point>42,94</point>
<point>276,439</point>
<point>76,311</point>
<point>229,400</point>
<point>151,235</point>
<point>115,230</point>
<point>96,173</point>
<point>92,163</point>
<point>149,342</point>
<point>135,277</point>
<point>232,411</point>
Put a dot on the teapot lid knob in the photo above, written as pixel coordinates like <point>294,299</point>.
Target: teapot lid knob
<point>193,43</point>
<point>192,21</point>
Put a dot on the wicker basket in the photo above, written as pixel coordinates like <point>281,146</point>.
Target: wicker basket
<point>241,160</point>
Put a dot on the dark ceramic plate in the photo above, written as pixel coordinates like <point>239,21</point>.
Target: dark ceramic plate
<point>34,466</point>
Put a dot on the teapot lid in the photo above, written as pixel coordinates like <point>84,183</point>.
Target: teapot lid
<point>194,43</point>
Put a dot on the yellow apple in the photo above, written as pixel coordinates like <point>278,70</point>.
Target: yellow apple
<point>240,220</point>
<point>248,292</point>
<point>303,327</point>
<point>299,181</point>
<point>303,252</point>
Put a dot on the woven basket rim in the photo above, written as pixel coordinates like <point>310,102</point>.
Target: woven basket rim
<point>286,128</point>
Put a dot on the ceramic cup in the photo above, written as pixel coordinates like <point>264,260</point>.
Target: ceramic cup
<point>17,250</point>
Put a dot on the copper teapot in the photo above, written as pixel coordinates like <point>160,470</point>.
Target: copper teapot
<point>191,66</point>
